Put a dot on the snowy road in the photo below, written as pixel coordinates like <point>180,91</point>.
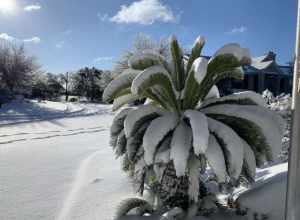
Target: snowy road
<point>60,169</point>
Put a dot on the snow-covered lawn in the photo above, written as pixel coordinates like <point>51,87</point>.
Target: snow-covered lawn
<point>61,168</point>
<point>33,110</point>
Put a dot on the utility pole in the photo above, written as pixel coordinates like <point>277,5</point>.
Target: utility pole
<point>292,211</point>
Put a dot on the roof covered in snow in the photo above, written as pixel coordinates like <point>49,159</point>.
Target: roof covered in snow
<point>267,63</point>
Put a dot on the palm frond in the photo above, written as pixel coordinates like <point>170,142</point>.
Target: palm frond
<point>249,132</point>
<point>139,116</point>
<point>118,122</point>
<point>231,144</point>
<point>117,87</point>
<point>194,177</point>
<point>198,122</point>
<point>121,144</point>
<point>123,100</point>
<point>180,147</point>
<point>270,124</point>
<point>240,98</point>
<point>177,57</point>
<point>249,165</point>
<point>135,142</point>
<point>193,81</point>
<point>132,203</point>
<point>155,133</point>
<point>195,53</point>
<point>215,159</point>
<point>155,76</point>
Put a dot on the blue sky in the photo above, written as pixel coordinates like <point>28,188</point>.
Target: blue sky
<point>68,34</point>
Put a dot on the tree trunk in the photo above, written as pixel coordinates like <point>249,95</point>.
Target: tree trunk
<point>173,190</point>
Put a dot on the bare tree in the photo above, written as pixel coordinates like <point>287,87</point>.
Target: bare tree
<point>65,79</point>
<point>16,67</point>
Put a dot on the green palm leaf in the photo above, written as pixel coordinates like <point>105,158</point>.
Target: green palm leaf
<point>193,81</point>
<point>123,100</point>
<point>137,117</point>
<point>240,98</point>
<point>121,144</point>
<point>119,85</point>
<point>249,166</point>
<point>156,132</point>
<point>269,123</point>
<point>118,122</point>
<point>198,122</point>
<point>231,144</point>
<point>195,53</point>
<point>215,159</point>
<point>180,147</point>
<point>177,57</point>
<point>155,76</point>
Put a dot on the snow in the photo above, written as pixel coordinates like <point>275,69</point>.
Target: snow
<point>216,160</point>
<point>122,81</point>
<point>271,125</point>
<point>136,117</point>
<point>199,40</point>
<point>146,75</point>
<point>155,133</point>
<point>180,147</point>
<point>213,93</point>
<point>252,96</point>
<point>199,126</point>
<point>61,168</point>
<point>249,160</point>
<point>56,163</point>
<point>200,68</point>
<point>22,111</point>
<point>145,59</point>
<point>235,50</point>
<point>234,146</point>
<point>194,177</point>
<point>267,195</point>
<point>122,100</point>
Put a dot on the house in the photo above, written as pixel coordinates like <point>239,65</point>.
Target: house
<point>263,73</point>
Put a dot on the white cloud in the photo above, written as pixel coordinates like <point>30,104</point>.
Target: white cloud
<point>5,36</point>
<point>60,44</point>
<point>103,17</point>
<point>35,40</point>
<point>237,30</point>
<point>102,59</point>
<point>35,7</point>
<point>144,12</point>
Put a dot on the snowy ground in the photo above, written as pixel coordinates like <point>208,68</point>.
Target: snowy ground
<point>56,163</point>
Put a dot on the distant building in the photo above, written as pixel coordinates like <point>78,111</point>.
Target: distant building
<point>263,73</point>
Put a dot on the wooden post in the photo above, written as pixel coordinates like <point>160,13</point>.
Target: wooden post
<point>293,186</point>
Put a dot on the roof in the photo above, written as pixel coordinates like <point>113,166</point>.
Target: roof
<point>258,59</point>
<point>262,65</point>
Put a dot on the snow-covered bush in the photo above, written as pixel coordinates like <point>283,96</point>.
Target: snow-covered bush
<point>282,105</point>
<point>185,128</point>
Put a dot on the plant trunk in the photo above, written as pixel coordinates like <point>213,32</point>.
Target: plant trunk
<point>172,190</point>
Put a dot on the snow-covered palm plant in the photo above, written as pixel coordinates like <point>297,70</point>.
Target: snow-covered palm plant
<point>185,126</point>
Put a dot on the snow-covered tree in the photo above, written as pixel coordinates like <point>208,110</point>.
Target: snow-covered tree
<point>142,42</point>
<point>185,127</point>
